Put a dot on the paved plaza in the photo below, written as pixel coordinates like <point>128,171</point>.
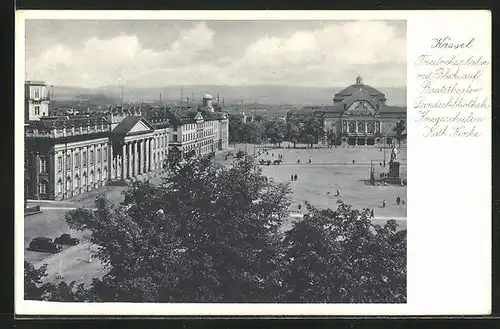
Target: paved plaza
<point>331,170</point>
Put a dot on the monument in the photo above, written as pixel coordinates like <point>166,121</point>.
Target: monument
<point>393,176</point>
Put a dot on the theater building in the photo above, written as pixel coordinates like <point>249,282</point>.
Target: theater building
<point>68,156</point>
<point>359,116</point>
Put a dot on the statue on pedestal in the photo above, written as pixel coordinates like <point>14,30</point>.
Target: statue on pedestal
<point>394,155</point>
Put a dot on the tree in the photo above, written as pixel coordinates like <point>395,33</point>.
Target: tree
<point>208,233</point>
<point>35,289</point>
<point>292,130</point>
<point>275,131</point>
<point>313,127</point>
<point>400,130</point>
<point>340,256</point>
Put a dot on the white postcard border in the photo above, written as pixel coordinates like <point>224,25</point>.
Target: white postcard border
<point>449,242</point>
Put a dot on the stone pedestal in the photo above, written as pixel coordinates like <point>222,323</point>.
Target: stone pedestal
<point>393,176</point>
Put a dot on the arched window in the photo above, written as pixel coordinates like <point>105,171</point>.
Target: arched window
<point>91,181</point>
<point>99,174</point>
<point>370,126</point>
<point>84,178</point>
<point>361,127</point>
<point>77,182</point>
<point>352,127</point>
<point>105,172</point>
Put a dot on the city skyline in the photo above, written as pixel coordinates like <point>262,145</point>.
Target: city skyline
<point>92,53</point>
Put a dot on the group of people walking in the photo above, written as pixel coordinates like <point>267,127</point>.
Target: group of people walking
<point>294,177</point>
<point>399,201</point>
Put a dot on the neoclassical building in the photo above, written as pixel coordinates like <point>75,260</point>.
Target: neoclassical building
<point>197,132</point>
<point>70,155</point>
<point>359,116</point>
<point>67,156</point>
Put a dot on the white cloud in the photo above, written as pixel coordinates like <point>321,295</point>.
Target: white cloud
<point>329,53</point>
<point>328,56</point>
<point>117,60</point>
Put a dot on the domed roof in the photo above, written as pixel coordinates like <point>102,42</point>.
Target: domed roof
<point>360,87</point>
<point>207,96</point>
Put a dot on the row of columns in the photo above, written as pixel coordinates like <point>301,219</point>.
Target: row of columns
<point>135,157</point>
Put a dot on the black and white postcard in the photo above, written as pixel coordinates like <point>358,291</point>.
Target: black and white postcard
<point>253,163</point>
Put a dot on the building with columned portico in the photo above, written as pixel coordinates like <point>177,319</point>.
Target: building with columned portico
<point>68,156</point>
<point>359,116</point>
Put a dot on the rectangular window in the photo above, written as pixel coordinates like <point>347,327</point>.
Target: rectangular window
<point>91,157</point>
<point>99,156</point>
<point>43,188</point>
<point>43,165</point>
<point>77,160</point>
<point>105,154</point>
<point>68,162</point>
<point>37,110</point>
<point>175,138</point>
<point>59,164</point>
<point>37,94</point>
<point>85,158</point>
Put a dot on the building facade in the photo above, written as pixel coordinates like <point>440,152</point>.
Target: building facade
<point>37,97</point>
<point>359,116</point>
<point>68,156</point>
<point>197,132</point>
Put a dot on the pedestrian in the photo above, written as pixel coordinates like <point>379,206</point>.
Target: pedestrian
<point>338,193</point>
<point>295,177</point>
<point>398,200</point>
<point>353,162</point>
<point>298,160</point>
<point>380,164</point>
<point>291,177</point>
<point>267,153</point>
<point>383,204</point>
<point>309,160</point>
<point>300,206</point>
<point>372,215</point>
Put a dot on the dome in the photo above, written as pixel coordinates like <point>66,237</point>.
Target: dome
<point>207,96</point>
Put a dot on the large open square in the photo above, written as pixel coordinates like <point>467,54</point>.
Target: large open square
<point>332,169</point>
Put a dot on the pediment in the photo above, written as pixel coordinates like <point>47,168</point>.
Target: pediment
<point>140,127</point>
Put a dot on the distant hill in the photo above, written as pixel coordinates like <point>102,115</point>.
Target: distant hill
<point>260,94</point>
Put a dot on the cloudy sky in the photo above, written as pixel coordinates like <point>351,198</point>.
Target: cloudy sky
<point>92,53</point>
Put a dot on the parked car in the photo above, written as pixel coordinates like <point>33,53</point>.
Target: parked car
<point>44,244</point>
<point>66,239</point>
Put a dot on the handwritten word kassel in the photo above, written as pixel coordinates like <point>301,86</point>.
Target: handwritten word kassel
<point>447,42</point>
